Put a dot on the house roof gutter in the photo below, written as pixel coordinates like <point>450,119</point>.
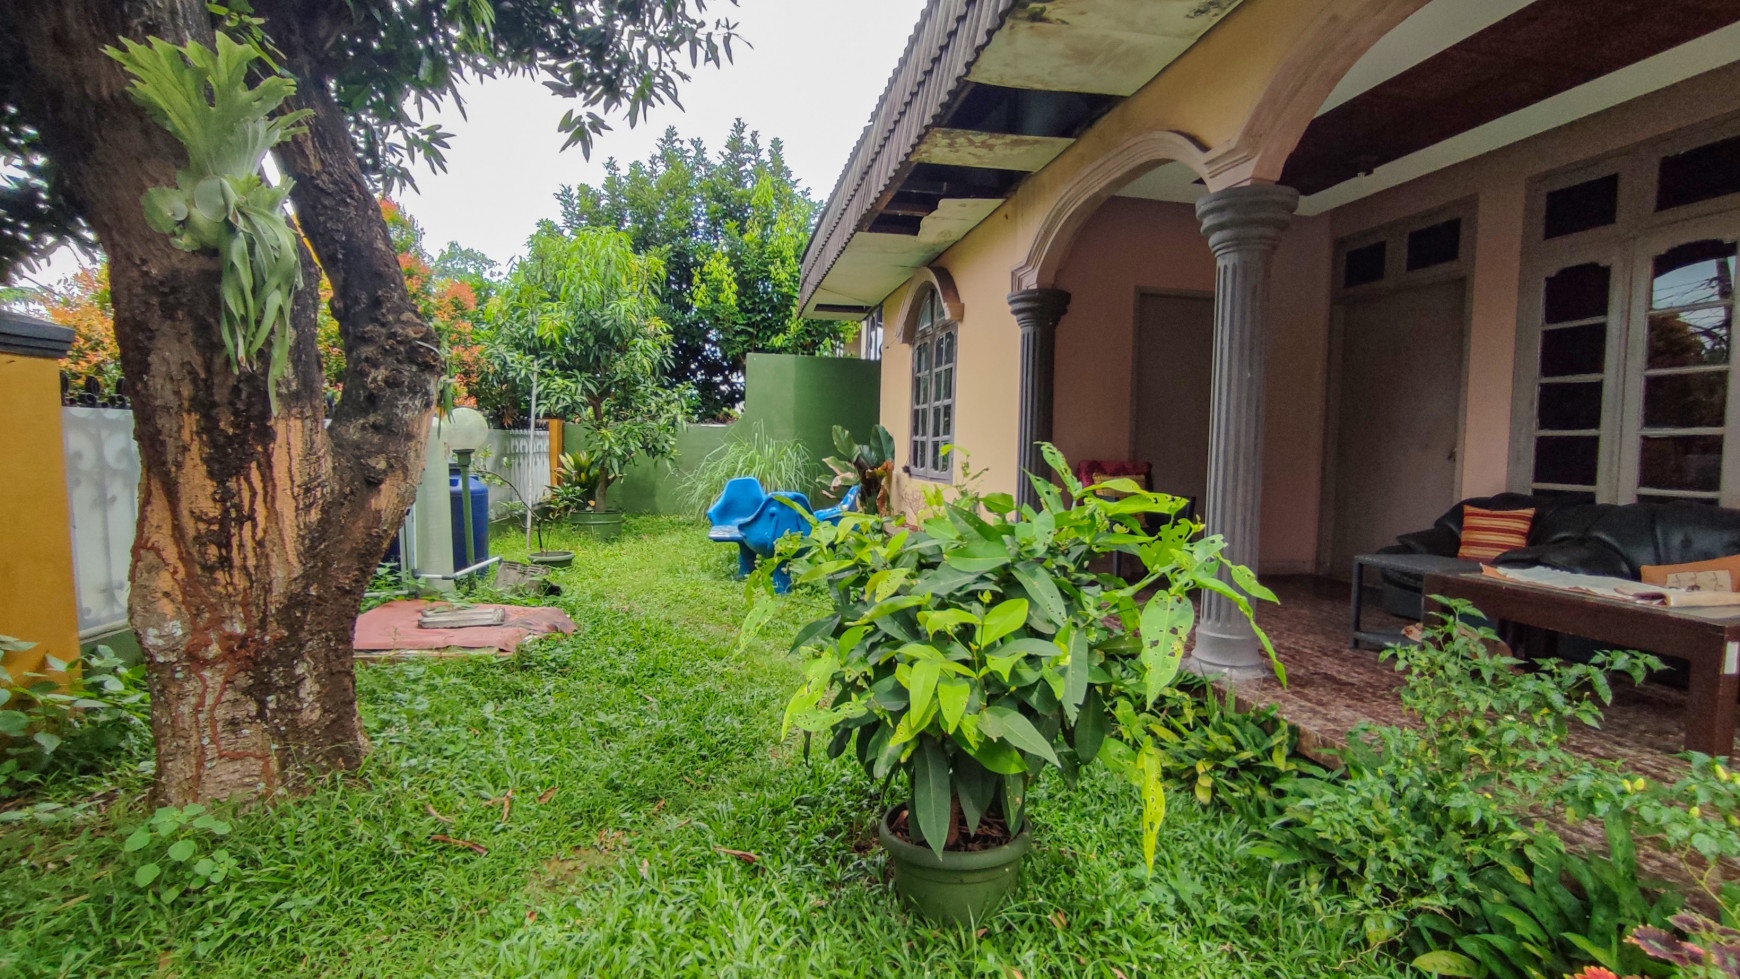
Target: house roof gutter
<point>947,40</point>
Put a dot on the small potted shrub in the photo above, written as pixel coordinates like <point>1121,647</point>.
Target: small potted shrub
<point>963,658</point>
<point>539,513</point>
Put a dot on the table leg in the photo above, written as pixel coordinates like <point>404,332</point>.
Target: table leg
<point>1358,601</point>
<point>1711,712</point>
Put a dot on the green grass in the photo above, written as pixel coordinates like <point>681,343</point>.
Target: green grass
<point>661,740</point>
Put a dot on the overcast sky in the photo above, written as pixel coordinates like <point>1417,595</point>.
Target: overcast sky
<point>811,78</point>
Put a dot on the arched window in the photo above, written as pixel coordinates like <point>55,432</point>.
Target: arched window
<point>933,388</point>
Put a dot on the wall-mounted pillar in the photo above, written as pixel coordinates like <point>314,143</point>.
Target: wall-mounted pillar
<point>1036,312</point>
<point>38,603</point>
<point>1243,225</point>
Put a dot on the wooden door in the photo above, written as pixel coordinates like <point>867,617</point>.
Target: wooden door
<point>1174,374</point>
<point>1398,409</point>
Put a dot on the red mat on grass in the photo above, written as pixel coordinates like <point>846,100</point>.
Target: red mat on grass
<point>394,626</point>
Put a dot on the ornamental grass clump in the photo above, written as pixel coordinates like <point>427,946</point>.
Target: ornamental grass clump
<point>967,654</point>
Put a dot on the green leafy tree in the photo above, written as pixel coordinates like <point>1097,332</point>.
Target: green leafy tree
<point>581,313</point>
<point>731,230</point>
<point>259,529</point>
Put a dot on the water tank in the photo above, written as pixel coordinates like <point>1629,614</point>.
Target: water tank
<point>479,521</point>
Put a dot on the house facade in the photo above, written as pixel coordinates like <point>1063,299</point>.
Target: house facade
<point>1328,266</point>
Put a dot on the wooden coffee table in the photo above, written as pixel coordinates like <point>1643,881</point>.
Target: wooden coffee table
<point>1706,638</point>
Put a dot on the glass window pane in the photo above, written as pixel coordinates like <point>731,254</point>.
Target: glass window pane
<point>946,348</point>
<point>1569,407</point>
<point>924,310</point>
<point>1699,174</point>
<point>1690,337</point>
<point>1579,207</point>
<point>1695,272</point>
<point>1574,350</point>
<point>1363,265</point>
<point>919,416</point>
<point>948,422</point>
<point>945,384</point>
<point>1681,462</point>
<point>1577,293</point>
<point>1697,400</point>
<point>921,357</point>
<point>1564,496</point>
<point>1567,459</point>
<point>1435,244</point>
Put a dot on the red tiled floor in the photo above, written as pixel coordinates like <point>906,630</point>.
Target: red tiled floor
<point>1331,688</point>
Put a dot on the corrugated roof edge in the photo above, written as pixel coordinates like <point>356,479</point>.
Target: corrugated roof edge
<point>910,104</point>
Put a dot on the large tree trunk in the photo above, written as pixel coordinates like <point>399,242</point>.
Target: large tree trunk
<point>257,533</point>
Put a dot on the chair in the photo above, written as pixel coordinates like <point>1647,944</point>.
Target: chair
<point>848,504</point>
<point>776,517</point>
<point>741,499</point>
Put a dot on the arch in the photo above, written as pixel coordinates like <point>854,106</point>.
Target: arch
<point>1090,188</point>
<point>938,278</point>
<point>1300,85</point>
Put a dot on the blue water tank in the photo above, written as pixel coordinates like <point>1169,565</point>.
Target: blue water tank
<point>479,520</point>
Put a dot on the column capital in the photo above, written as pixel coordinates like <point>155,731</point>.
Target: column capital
<point>1249,216</point>
<point>1038,309</point>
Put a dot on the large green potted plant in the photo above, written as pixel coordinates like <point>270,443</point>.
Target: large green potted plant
<point>965,655</point>
<point>580,313</point>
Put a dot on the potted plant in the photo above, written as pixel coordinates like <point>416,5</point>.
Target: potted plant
<point>867,467</point>
<point>964,658</point>
<point>538,514</point>
<point>580,313</point>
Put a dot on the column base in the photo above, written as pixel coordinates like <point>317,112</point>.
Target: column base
<point>1236,655</point>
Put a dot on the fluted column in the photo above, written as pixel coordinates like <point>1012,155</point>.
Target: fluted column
<point>1036,312</point>
<point>1243,225</point>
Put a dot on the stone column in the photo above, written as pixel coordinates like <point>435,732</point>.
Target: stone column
<point>1036,312</point>
<point>1243,226</point>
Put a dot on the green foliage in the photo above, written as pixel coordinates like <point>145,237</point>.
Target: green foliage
<point>653,725</point>
<point>1422,809</point>
<point>1213,748</point>
<point>576,490</point>
<point>1558,913</point>
<point>777,463</point>
<point>220,202</point>
<point>868,466</point>
<point>580,312</point>
<point>971,654</point>
<point>175,853</point>
<point>102,709</point>
<point>731,230</point>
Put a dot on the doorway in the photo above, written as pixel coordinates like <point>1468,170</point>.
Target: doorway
<point>1173,383</point>
<point>1397,416</point>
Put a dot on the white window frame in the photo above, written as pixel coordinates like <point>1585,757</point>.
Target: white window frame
<point>931,408</point>
<point>1628,248</point>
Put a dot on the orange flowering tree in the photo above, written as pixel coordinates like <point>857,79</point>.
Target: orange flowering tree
<point>80,301</point>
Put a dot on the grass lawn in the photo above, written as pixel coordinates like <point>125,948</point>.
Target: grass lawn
<point>658,738</point>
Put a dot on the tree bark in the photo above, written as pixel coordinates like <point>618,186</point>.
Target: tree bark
<point>257,533</point>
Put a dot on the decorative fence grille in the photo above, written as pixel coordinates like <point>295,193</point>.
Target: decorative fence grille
<point>102,490</point>
<point>524,459</point>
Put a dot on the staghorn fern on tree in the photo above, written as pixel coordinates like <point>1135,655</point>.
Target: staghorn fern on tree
<point>220,203</point>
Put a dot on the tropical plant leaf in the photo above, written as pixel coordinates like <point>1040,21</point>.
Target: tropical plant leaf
<point>931,794</point>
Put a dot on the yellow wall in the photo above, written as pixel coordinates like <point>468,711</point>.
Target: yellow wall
<point>36,577</point>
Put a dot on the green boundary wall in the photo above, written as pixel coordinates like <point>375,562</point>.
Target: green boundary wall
<point>791,397</point>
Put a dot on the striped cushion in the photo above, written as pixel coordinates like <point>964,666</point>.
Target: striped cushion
<point>1488,533</point>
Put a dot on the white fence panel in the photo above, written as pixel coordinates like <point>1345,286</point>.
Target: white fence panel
<point>524,459</point>
<point>102,490</point>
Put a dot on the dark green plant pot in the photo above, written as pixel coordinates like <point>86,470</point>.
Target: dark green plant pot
<point>554,559</point>
<point>606,525</point>
<point>954,888</point>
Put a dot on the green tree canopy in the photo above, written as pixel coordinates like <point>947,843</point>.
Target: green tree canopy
<point>731,230</point>
<point>581,313</point>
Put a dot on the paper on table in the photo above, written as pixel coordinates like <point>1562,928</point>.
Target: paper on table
<point>1623,589</point>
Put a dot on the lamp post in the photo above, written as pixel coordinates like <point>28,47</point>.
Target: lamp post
<point>465,430</point>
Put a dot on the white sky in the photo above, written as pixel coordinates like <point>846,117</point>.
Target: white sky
<point>812,78</point>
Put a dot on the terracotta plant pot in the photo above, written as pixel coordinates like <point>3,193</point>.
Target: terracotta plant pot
<point>599,525</point>
<point>954,888</point>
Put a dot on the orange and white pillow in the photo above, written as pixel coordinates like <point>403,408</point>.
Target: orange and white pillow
<point>1488,533</point>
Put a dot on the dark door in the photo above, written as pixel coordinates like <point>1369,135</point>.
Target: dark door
<point>1400,396</point>
<point>1174,374</point>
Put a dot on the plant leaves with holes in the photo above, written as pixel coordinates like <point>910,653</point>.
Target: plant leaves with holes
<point>1166,621</point>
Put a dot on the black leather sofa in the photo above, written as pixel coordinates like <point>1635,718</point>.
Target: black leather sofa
<point>1589,538</point>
